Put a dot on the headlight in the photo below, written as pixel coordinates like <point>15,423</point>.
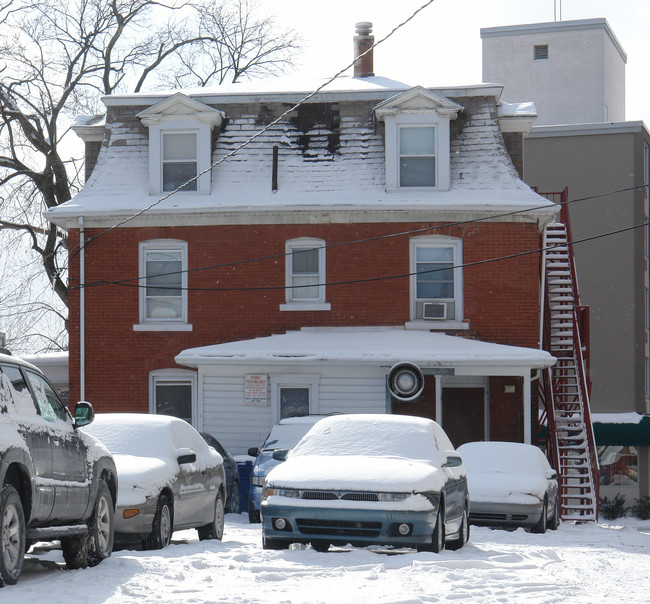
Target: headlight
<point>269,491</point>
<point>392,496</point>
<point>257,481</point>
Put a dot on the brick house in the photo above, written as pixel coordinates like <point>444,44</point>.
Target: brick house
<point>372,250</point>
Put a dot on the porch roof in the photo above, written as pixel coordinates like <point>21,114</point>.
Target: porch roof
<point>372,346</point>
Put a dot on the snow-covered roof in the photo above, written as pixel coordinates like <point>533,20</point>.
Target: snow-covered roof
<point>336,166</point>
<point>368,346</point>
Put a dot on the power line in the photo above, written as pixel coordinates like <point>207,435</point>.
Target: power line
<point>366,240</point>
<point>82,245</point>
<point>371,279</point>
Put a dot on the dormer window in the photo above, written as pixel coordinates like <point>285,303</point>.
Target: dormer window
<point>417,139</point>
<point>180,136</point>
<point>417,156</point>
<point>179,161</point>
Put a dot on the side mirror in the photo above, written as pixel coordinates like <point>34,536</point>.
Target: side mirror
<point>185,456</point>
<point>280,455</point>
<point>83,414</point>
<point>552,474</point>
<point>253,451</point>
<point>453,461</point>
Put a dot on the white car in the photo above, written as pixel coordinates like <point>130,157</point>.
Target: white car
<point>368,480</point>
<point>510,485</point>
<point>169,478</point>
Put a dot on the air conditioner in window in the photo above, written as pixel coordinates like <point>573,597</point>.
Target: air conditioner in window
<point>435,311</point>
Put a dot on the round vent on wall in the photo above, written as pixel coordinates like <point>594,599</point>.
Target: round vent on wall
<point>405,381</point>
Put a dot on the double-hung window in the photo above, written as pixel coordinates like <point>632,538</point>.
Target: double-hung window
<point>163,285</point>
<point>436,278</point>
<point>179,161</point>
<point>172,392</point>
<point>417,156</point>
<point>305,274</point>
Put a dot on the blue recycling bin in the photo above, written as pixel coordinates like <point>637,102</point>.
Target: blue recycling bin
<point>245,470</point>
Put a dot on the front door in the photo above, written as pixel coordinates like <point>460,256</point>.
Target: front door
<point>463,414</point>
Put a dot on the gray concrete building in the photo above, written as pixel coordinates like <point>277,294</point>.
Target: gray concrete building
<point>574,71</point>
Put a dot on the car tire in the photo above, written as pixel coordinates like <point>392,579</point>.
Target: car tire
<point>75,551</point>
<point>554,523</point>
<point>320,546</point>
<point>101,529</point>
<point>162,526</point>
<point>541,525</point>
<point>271,543</point>
<point>438,538</point>
<point>214,530</point>
<point>463,533</point>
<point>234,498</point>
<point>13,538</point>
<point>254,516</point>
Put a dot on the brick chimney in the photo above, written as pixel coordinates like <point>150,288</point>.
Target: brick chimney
<point>364,40</point>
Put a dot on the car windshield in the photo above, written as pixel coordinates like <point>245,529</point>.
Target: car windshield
<point>124,436</point>
<point>286,435</point>
<point>377,436</point>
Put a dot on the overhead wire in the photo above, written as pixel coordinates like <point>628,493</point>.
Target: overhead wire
<point>373,279</point>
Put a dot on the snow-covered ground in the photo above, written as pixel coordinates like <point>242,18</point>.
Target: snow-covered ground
<point>608,562</point>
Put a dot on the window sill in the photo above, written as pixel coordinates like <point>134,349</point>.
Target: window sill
<point>162,327</point>
<point>305,306</point>
<point>430,325</point>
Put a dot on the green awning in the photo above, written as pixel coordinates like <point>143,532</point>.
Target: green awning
<point>615,432</point>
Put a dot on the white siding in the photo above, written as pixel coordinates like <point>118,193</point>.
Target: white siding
<point>238,426</point>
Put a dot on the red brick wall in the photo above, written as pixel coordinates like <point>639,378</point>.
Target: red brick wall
<point>501,298</point>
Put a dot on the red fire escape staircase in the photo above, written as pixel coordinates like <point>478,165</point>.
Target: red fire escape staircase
<point>565,388</point>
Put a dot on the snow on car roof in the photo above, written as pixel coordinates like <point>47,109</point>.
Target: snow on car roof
<point>503,457</point>
<point>371,435</point>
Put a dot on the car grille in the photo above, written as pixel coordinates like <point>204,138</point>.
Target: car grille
<point>338,528</point>
<point>345,496</point>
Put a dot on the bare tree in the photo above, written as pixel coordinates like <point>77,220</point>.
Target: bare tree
<point>56,58</point>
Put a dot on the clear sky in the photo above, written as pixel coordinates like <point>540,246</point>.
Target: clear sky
<point>442,45</point>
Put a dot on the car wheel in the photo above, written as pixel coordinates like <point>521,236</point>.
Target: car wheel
<point>540,527</point>
<point>438,538</point>
<point>102,526</point>
<point>271,543</point>
<point>253,514</point>
<point>234,499</point>
<point>162,527</point>
<point>555,519</point>
<point>214,530</point>
<point>12,552</point>
<point>320,546</point>
<point>463,533</point>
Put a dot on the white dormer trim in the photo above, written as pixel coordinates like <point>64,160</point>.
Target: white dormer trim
<point>180,114</point>
<point>417,107</point>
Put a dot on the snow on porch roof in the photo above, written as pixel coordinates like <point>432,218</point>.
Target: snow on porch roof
<point>383,346</point>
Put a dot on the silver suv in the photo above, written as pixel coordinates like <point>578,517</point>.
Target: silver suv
<point>56,482</point>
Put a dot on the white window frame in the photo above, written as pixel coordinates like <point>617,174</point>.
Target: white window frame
<point>427,119</point>
<point>438,241</point>
<point>176,377</point>
<point>163,161</point>
<point>293,301</point>
<point>154,324</point>
<point>293,380</point>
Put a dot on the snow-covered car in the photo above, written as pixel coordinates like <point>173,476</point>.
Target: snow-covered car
<point>511,485</point>
<point>232,473</point>
<point>170,479</point>
<point>368,480</point>
<point>55,481</point>
<point>283,436</point>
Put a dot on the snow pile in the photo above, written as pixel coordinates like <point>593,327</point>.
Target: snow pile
<point>579,563</point>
